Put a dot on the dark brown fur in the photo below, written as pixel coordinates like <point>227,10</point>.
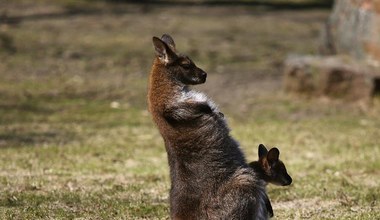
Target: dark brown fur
<point>271,169</point>
<point>210,178</point>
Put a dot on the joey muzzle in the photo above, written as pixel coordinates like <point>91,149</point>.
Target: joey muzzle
<point>287,181</point>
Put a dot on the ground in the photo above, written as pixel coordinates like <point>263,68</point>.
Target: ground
<point>76,139</point>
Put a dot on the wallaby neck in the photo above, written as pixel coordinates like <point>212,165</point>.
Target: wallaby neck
<point>161,78</point>
<point>162,87</point>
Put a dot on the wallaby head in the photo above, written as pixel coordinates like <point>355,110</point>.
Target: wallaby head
<point>274,170</point>
<point>178,67</point>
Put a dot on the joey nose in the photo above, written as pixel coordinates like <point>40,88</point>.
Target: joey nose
<point>288,181</point>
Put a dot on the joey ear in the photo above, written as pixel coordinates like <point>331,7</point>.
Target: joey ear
<point>163,52</point>
<point>273,155</point>
<point>169,41</point>
<point>262,151</point>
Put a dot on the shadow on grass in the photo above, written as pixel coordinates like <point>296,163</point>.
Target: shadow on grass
<point>275,5</point>
<point>28,138</point>
<point>28,130</point>
<point>27,107</point>
<point>147,5</point>
<point>34,138</point>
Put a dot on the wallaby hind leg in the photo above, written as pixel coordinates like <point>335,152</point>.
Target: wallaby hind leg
<point>243,197</point>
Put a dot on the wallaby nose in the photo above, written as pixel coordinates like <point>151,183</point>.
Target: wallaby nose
<point>203,76</point>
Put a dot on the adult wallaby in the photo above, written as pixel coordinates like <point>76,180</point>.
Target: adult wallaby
<point>271,169</point>
<point>210,178</point>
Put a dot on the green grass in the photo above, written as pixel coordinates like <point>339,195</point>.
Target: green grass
<point>76,140</point>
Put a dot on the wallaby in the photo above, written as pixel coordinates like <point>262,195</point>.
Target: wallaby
<point>210,178</point>
<point>271,169</point>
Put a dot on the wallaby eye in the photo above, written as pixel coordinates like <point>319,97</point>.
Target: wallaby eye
<point>185,65</point>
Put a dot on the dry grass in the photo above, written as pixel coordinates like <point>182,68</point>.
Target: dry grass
<point>76,140</point>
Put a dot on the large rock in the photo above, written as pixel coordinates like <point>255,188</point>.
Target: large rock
<point>351,71</point>
<point>331,76</point>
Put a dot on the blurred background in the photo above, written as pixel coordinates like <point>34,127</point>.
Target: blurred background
<point>77,141</point>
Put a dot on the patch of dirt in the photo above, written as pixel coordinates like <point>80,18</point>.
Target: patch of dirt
<point>318,208</point>
<point>306,204</point>
<point>307,208</point>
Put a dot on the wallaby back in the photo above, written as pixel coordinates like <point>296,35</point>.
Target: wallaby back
<point>210,178</point>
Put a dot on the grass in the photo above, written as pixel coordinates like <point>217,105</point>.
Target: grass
<point>76,140</point>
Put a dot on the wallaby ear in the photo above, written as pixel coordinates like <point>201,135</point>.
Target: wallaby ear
<point>273,155</point>
<point>169,41</point>
<point>262,151</point>
<point>163,52</point>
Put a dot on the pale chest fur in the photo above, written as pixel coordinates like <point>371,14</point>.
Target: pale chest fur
<point>195,96</point>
